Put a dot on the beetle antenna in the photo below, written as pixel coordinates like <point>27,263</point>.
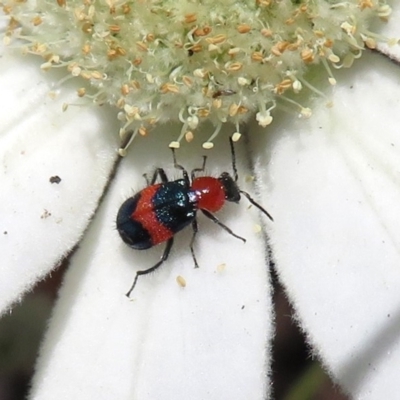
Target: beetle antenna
<point>252,201</point>
<point>235,173</point>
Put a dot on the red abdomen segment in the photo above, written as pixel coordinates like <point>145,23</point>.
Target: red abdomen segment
<point>146,215</point>
<point>210,193</point>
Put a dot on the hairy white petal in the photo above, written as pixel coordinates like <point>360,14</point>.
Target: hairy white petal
<point>208,340</point>
<point>333,186</point>
<point>41,221</point>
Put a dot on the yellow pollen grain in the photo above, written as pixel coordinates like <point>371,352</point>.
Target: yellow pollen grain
<point>181,281</point>
<point>282,46</point>
<point>62,3</point>
<point>126,9</point>
<point>234,51</point>
<point>200,73</point>
<point>189,136</point>
<point>203,112</point>
<point>189,18</point>
<point>293,46</point>
<point>120,51</point>
<point>187,81</point>
<point>202,31</point>
<point>221,267</point>
<point>7,9</point>
<point>79,15</point>
<point>218,39</point>
<point>137,61</point>
<point>86,48</point>
<point>303,8</point>
<point>244,28</point>
<point>169,88</point>
<point>275,51</point>
<point>120,103</point>
<point>135,84</point>
<point>131,111</point>
<point>152,121</point>
<point>363,4</point>
<point>125,89</point>
<point>150,37</point>
<point>266,32</point>
<point>236,66</point>
<point>97,75</point>
<point>112,54</point>
<point>196,48</point>
<point>217,103</point>
<point>174,145</point>
<point>84,74</point>
<point>333,58</point>
<point>370,43</point>
<point>142,46</point>
<point>257,228</point>
<point>39,48</point>
<point>143,131</point>
<point>233,109</point>
<point>307,55</point>
<point>283,86</point>
<point>207,145</point>
<point>243,110</point>
<point>257,56</point>
<point>37,21</point>
<point>81,92</point>
<point>264,3</point>
<point>114,28</point>
<point>236,136</point>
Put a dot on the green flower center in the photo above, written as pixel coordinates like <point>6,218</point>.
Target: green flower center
<point>194,61</point>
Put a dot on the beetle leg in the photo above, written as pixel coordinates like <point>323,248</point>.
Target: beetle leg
<point>178,166</point>
<point>235,173</point>
<point>147,271</point>
<point>195,230</point>
<point>192,174</point>
<point>252,201</point>
<point>159,172</point>
<point>218,222</point>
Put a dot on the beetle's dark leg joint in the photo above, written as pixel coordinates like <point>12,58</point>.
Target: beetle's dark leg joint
<point>164,257</point>
<point>223,226</point>
<point>192,174</point>
<point>159,172</point>
<point>181,168</point>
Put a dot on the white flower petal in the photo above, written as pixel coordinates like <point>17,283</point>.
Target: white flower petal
<point>41,221</point>
<point>333,186</point>
<point>209,340</point>
<point>391,30</point>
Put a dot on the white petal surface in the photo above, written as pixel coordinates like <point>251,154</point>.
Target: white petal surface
<point>333,186</point>
<point>208,340</point>
<point>41,221</point>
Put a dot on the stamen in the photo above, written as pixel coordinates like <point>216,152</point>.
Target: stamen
<point>208,144</point>
<point>127,139</point>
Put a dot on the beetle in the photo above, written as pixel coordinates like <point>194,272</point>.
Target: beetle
<point>160,210</point>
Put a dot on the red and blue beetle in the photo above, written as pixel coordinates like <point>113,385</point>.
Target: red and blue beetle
<point>156,213</point>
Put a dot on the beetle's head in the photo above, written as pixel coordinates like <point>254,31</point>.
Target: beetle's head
<point>232,191</point>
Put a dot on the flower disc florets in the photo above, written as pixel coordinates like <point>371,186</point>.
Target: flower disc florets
<point>215,60</point>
